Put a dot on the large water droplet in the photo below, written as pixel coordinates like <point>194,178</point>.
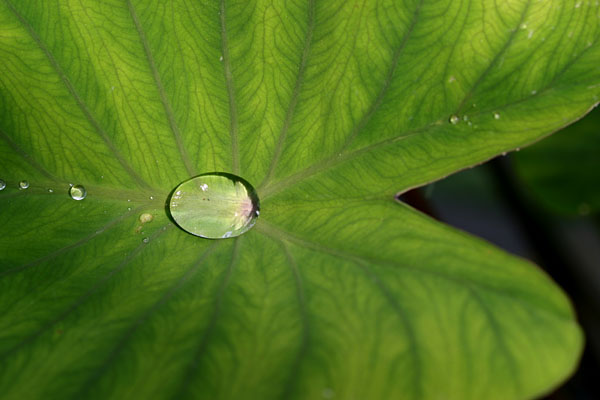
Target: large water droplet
<point>77,192</point>
<point>23,185</point>
<point>2,184</point>
<point>215,205</point>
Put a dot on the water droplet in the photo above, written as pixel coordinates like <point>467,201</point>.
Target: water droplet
<point>454,119</point>
<point>496,115</point>
<point>221,58</point>
<point>145,240</point>
<point>465,117</point>
<point>77,192</point>
<point>23,185</point>
<point>534,92</point>
<point>2,184</point>
<point>215,205</point>
<point>128,208</point>
<point>151,197</point>
<point>50,191</point>
<point>146,217</point>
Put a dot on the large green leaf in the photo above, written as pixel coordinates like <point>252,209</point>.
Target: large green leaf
<point>562,172</point>
<point>329,108</point>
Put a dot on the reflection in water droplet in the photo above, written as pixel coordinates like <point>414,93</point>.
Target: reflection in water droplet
<point>77,192</point>
<point>215,205</point>
<point>2,184</point>
<point>23,185</point>
<point>145,240</point>
<point>496,115</point>
<point>454,119</point>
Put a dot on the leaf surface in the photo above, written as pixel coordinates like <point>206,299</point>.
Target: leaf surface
<point>329,109</point>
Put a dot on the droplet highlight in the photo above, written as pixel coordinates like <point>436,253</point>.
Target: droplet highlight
<point>454,119</point>
<point>23,185</point>
<point>215,205</point>
<point>77,192</point>
<point>2,184</point>
<point>496,115</point>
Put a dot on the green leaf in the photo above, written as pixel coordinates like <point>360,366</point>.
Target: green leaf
<point>328,109</point>
<point>562,172</point>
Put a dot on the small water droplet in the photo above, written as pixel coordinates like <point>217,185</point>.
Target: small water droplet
<point>50,191</point>
<point>77,192</point>
<point>151,197</point>
<point>2,184</point>
<point>146,217</point>
<point>23,185</point>
<point>221,58</point>
<point>215,206</point>
<point>145,240</point>
<point>129,200</point>
<point>128,208</point>
<point>534,92</point>
<point>454,119</point>
<point>465,117</point>
<point>496,115</point>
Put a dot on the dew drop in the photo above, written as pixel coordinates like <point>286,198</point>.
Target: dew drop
<point>23,185</point>
<point>77,192</point>
<point>146,217</point>
<point>2,184</point>
<point>145,240</point>
<point>496,115</point>
<point>214,205</point>
<point>50,190</point>
<point>454,119</point>
<point>151,197</point>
